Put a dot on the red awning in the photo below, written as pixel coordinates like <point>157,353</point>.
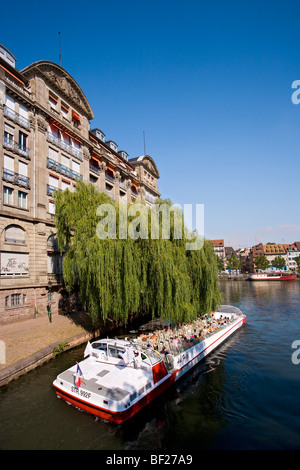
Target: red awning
<point>75,115</point>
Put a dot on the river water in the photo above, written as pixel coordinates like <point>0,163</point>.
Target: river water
<point>245,395</point>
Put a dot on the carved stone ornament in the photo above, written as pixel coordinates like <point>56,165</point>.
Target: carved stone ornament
<point>86,153</point>
<point>42,124</point>
<point>66,84</point>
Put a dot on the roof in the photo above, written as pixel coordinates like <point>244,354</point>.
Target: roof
<point>274,249</point>
<point>218,242</point>
<point>147,162</point>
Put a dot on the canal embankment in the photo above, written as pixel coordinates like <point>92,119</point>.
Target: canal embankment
<point>28,344</point>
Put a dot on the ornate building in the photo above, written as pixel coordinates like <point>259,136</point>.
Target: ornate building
<point>48,145</point>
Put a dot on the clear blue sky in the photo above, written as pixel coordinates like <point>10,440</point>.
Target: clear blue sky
<point>209,82</point>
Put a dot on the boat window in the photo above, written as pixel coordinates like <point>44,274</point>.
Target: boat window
<point>153,356</point>
<point>113,351</point>
<point>100,346</point>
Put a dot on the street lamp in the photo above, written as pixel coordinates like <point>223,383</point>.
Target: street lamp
<point>49,301</point>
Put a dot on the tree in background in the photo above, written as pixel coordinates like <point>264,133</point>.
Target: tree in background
<point>220,263</point>
<point>278,262</point>
<point>261,262</point>
<point>297,259</point>
<point>117,277</point>
<point>234,263</point>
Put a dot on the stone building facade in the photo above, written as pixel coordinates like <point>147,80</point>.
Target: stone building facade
<point>48,145</point>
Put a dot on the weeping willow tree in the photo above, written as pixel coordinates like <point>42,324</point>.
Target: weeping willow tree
<point>117,276</point>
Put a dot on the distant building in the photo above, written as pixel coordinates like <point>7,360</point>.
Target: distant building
<point>270,251</point>
<point>219,248</point>
<point>245,254</point>
<point>292,252</point>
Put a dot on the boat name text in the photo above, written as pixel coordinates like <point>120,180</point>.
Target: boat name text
<point>80,392</point>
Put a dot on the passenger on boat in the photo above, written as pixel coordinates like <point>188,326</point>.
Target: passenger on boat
<point>165,351</point>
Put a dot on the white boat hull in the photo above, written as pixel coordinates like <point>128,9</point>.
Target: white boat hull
<point>116,391</point>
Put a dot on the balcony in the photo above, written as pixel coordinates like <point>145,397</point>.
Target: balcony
<point>95,169</point>
<point>109,177</point>
<point>51,189</point>
<point>64,146</point>
<point>149,198</point>
<point>15,178</point>
<point>20,149</point>
<point>110,194</point>
<point>53,165</point>
<point>11,114</point>
<point>122,185</point>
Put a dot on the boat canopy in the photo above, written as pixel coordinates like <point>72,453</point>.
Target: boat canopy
<point>229,309</point>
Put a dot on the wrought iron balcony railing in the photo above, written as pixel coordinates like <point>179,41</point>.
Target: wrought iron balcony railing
<point>16,178</point>
<point>10,113</point>
<point>64,146</point>
<point>62,169</point>
<point>12,145</point>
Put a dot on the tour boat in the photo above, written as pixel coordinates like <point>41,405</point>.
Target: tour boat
<point>119,377</point>
<point>279,276</point>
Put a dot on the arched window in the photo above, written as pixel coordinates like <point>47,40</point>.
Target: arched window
<point>14,234</point>
<point>52,243</point>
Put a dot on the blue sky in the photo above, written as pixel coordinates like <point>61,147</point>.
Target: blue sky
<point>208,82</point>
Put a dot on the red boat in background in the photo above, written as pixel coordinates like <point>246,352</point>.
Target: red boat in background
<point>279,276</point>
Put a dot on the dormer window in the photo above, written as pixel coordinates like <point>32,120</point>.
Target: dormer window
<point>123,154</point>
<point>112,145</point>
<point>99,134</point>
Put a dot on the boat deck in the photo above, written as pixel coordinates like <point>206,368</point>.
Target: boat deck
<point>178,338</point>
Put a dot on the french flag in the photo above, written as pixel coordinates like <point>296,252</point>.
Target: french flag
<point>78,376</point>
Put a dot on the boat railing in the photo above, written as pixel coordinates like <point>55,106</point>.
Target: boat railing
<point>177,340</point>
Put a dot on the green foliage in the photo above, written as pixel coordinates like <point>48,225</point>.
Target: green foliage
<point>234,262</point>
<point>261,262</point>
<point>220,263</point>
<point>278,262</point>
<point>116,277</point>
<point>60,348</point>
<point>297,259</point>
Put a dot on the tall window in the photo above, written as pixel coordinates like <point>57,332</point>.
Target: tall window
<point>51,207</point>
<point>65,161</point>
<point>76,168</point>
<point>9,134</point>
<point>64,110</point>
<point>22,200</point>
<point>52,100</point>
<point>9,167</point>
<point>53,154</point>
<point>10,102</point>
<point>22,141</point>
<point>7,195</point>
